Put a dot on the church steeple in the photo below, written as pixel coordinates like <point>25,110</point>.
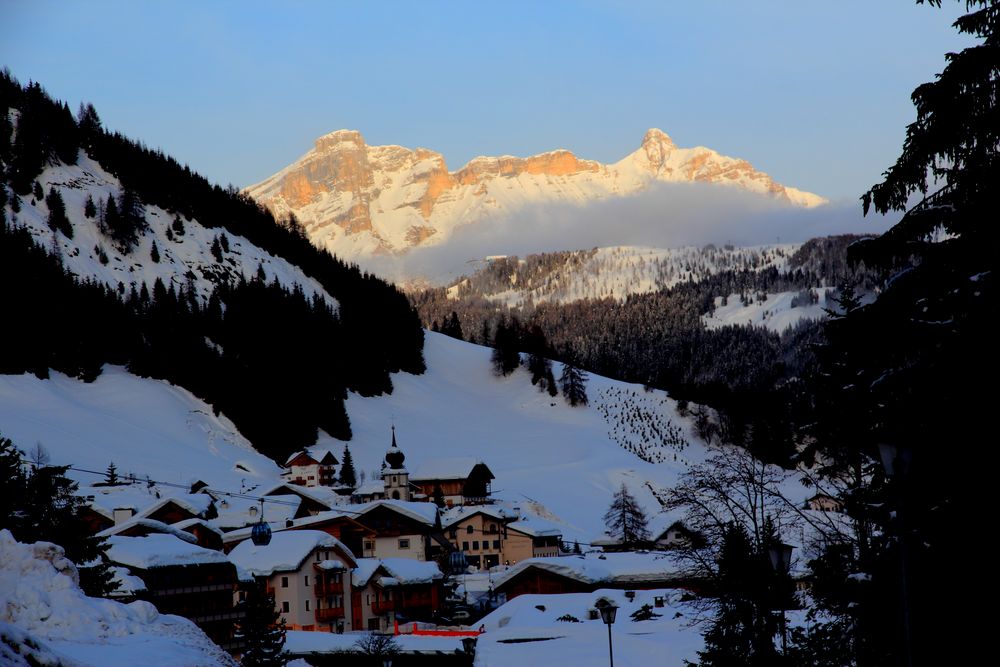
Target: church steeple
<point>394,457</point>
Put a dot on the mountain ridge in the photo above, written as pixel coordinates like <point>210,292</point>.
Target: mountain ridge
<point>358,200</point>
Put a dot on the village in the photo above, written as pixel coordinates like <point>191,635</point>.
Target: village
<point>422,554</point>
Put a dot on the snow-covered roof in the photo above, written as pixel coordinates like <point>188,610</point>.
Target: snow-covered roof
<point>422,512</point>
<point>159,550</point>
<point>195,503</point>
<point>535,527</point>
<point>453,515</point>
<point>317,494</point>
<point>617,568</point>
<point>370,488</point>
<point>285,552</point>
<point>299,453</point>
<point>396,571</point>
<point>363,572</point>
<point>410,571</point>
<point>452,468</point>
<point>152,526</point>
<point>188,523</point>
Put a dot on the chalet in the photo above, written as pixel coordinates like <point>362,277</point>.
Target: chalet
<point>402,529</point>
<point>822,502</point>
<point>305,469</point>
<point>676,535</point>
<point>457,481</point>
<point>489,536</point>
<point>589,572</point>
<point>309,574</point>
<point>184,579</point>
<point>391,589</point>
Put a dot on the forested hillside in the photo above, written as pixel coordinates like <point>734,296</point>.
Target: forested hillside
<point>656,335</point>
<point>275,349</point>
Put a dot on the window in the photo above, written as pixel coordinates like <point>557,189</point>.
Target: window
<point>453,533</point>
<point>284,582</point>
<point>307,605</point>
<point>404,544</point>
<point>496,544</point>
<point>307,580</point>
<point>465,546</point>
<point>469,530</point>
<point>475,545</point>
<point>369,545</point>
<point>284,606</point>
<point>493,528</point>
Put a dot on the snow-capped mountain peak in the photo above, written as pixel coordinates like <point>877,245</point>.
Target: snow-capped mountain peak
<point>358,200</point>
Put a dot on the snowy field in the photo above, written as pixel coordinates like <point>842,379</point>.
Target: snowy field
<point>527,631</point>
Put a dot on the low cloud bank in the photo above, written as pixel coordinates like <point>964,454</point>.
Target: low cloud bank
<point>665,216</point>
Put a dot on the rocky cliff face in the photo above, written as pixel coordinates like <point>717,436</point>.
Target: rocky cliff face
<point>359,200</point>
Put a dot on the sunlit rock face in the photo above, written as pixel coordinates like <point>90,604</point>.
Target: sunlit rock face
<point>360,200</point>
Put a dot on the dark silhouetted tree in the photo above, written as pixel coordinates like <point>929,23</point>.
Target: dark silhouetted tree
<point>625,520</point>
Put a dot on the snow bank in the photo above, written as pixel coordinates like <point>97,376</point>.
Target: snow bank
<point>39,595</point>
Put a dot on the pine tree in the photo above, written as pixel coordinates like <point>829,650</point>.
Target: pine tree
<point>625,519</point>
<point>216,249</point>
<point>57,213</point>
<point>154,253</point>
<point>89,208</point>
<point>505,357</point>
<point>111,475</point>
<point>348,476</point>
<point>910,354</point>
<point>261,631</point>
<point>573,384</point>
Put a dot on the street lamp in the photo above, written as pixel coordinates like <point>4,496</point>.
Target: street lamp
<point>608,611</point>
<point>781,561</point>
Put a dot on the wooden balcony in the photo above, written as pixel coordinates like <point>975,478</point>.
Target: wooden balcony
<point>325,588</point>
<point>329,614</point>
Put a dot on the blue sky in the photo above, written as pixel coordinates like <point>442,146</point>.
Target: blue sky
<point>815,93</point>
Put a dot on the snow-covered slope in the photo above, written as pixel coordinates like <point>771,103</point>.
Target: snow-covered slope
<point>40,598</point>
<point>185,258</point>
<point>359,200</point>
<point>544,453</point>
<point>614,272</point>
<point>776,312</point>
<point>146,427</point>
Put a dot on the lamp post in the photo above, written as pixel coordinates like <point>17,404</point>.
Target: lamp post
<point>781,561</point>
<point>608,611</point>
<point>896,461</point>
